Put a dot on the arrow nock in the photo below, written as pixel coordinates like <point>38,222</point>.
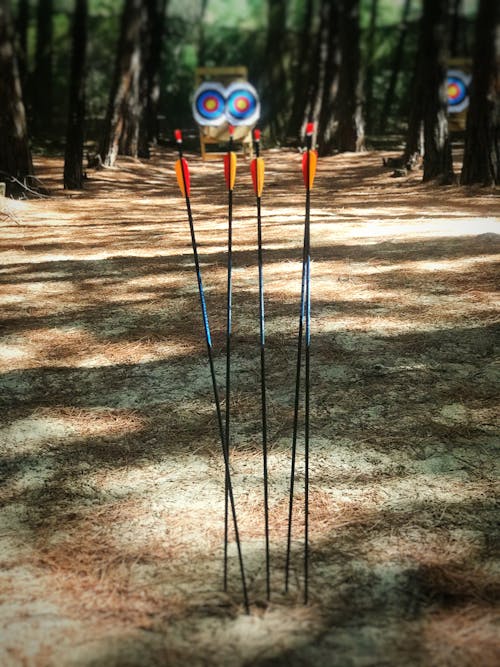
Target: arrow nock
<point>309,135</point>
<point>256,140</point>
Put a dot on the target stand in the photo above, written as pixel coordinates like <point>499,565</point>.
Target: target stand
<point>211,110</point>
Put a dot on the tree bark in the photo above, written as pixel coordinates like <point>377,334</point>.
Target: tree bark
<point>73,157</point>
<point>350,129</point>
<point>121,128</point>
<point>482,139</point>
<point>437,146</point>
<point>15,153</point>
<point>42,88</point>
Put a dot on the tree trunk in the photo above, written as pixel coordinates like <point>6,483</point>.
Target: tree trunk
<point>73,157</point>
<point>301,73</point>
<point>456,10</point>
<point>437,147</point>
<point>326,121</point>
<point>350,129</point>
<point>152,39</point>
<point>370,69</point>
<point>274,97</point>
<point>15,154</point>
<point>316,66</point>
<point>482,138</point>
<point>414,146</point>
<point>42,76</point>
<point>22,21</point>
<point>154,67</point>
<point>201,33</point>
<point>121,128</point>
<point>136,100</point>
<point>396,67</point>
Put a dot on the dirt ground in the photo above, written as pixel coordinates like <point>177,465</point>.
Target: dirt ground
<point>111,530</point>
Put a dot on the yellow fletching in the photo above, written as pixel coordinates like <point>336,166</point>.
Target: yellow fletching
<point>230,169</point>
<point>181,165</point>
<point>311,168</point>
<point>257,169</point>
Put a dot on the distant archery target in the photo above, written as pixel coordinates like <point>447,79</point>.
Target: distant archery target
<point>209,103</point>
<point>242,104</point>
<point>457,87</point>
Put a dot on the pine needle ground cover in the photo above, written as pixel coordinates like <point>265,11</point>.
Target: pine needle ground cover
<point>112,495</point>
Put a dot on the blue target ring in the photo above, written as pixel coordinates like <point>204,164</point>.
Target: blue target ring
<point>457,89</point>
<point>242,104</point>
<point>209,104</point>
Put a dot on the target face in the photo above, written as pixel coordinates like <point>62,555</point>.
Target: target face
<point>457,85</point>
<point>209,104</point>
<point>242,104</point>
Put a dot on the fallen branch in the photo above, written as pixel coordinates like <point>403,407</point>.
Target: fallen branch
<point>41,193</point>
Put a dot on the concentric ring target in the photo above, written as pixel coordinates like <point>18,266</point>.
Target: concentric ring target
<point>457,88</point>
<point>242,104</point>
<point>209,103</point>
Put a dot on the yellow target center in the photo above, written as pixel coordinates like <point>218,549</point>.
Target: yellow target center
<point>241,104</point>
<point>452,90</point>
<point>210,105</point>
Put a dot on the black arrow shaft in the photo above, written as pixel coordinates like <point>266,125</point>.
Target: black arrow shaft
<point>208,340</point>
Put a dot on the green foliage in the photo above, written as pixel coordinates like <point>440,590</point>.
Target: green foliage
<point>234,33</point>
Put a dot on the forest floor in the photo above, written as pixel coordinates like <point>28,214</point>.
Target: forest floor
<point>111,530</point>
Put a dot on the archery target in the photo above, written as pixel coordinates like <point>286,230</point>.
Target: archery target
<point>242,104</point>
<point>457,88</point>
<point>209,104</point>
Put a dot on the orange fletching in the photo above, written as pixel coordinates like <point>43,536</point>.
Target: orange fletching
<point>257,170</point>
<point>312,158</point>
<point>180,166</point>
<point>230,169</point>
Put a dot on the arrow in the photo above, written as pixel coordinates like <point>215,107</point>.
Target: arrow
<point>230,169</point>
<point>182,172</point>
<point>309,161</point>
<point>230,176</point>
<point>183,178</point>
<point>257,171</point>
<point>257,167</point>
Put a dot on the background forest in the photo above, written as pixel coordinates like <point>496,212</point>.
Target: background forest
<point>120,75</point>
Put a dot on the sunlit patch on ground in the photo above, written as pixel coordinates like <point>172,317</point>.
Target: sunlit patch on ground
<point>112,478</point>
